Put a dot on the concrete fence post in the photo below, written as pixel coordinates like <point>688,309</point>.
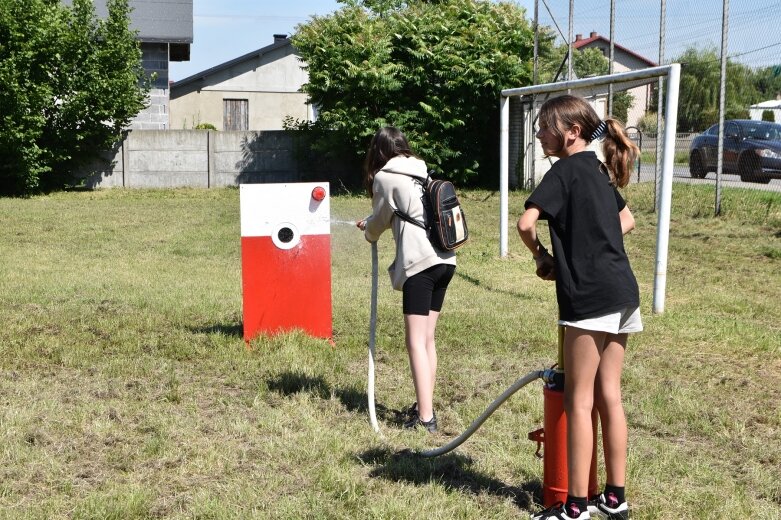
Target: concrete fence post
<point>210,161</point>
<point>125,159</point>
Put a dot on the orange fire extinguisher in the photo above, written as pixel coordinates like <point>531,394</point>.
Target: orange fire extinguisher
<point>554,435</point>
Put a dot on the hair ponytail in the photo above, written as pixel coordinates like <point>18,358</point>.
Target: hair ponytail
<point>620,152</point>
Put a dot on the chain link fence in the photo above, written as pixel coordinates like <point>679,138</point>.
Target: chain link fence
<point>690,33</point>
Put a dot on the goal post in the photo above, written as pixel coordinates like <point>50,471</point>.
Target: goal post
<point>591,85</point>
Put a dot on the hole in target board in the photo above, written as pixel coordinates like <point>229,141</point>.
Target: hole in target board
<point>285,235</point>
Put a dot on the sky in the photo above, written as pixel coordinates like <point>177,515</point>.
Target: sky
<point>226,29</point>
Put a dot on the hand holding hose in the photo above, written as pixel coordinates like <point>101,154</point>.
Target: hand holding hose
<point>546,266</point>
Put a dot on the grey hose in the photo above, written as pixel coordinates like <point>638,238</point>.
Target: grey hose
<point>520,383</point>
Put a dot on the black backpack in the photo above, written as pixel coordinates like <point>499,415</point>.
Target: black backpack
<point>445,221</point>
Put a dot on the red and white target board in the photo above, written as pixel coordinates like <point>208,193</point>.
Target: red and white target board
<point>286,258</point>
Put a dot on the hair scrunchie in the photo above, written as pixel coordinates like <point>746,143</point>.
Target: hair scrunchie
<point>600,131</point>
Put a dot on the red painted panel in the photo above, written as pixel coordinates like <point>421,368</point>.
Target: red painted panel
<point>286,289</point>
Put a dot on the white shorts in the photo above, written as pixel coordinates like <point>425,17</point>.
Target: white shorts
<point>622,322</point>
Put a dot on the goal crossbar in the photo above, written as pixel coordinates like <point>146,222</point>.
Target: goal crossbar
<point>673,74</point>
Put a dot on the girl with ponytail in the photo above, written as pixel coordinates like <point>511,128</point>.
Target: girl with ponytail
<point>596,290</point>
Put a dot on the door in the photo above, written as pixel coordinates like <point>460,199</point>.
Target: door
<point>235,114</point>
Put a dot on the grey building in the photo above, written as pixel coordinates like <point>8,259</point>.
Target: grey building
<point>165,32</point>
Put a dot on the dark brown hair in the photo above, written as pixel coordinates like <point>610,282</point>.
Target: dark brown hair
<point>386,144</point>
<point>561,113</point>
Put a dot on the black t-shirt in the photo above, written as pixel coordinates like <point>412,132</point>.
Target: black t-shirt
<point>593,275</point>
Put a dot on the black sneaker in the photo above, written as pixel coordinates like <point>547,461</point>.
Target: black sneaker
<point>559,512</point>
<point>415,422</point>
<point>608,507</point>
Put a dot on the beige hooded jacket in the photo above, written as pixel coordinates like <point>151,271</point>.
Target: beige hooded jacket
<point>395,188</point>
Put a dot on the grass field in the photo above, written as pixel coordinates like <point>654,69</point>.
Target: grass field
<point>127,391</point>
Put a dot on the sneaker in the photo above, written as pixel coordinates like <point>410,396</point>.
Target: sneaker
<point>415,422</point>
<point>608,507</point>
<point>559,512</point>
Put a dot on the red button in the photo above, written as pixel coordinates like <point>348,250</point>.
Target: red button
<point>318,193</point>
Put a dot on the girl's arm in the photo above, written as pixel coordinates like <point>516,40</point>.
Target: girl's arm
<point>382,213</point>
<point>627,220</point>
<point>527,229</point>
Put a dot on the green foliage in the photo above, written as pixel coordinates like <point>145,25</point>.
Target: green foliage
<point>768,115</point>
<point>433,69</point>
<point>71,83</point>
<point>205,126</point>
<point>698,105</point>
<point>647,123</point>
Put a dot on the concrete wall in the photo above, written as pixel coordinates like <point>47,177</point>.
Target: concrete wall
<point>154,57</point>
<point>200,158</point>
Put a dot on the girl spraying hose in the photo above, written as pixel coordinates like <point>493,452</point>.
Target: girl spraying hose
<point>597,292</point>
<point>419,270</point>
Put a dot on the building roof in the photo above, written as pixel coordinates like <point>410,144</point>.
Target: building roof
<point>280,41</point>
<point>595,38</point>
<point>773,103</point>
<point>163,21</point>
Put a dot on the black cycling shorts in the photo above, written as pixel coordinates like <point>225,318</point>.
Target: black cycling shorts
<point>425,291</point>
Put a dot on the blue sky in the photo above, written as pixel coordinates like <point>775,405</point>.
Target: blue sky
<point>226,29</point>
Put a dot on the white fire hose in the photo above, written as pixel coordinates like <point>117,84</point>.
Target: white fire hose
<point>546,375</point>
<point>372,335</point>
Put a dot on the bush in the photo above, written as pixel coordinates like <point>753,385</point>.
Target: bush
<point>647,123</point>
<point>70,85</point>
<point>433,69</point>
<point>205,126</point>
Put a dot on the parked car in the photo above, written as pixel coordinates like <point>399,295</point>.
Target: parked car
<point>752,149</point>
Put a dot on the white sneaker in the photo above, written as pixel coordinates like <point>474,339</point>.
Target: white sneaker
<point>559,512</point>
<point>608,508</point>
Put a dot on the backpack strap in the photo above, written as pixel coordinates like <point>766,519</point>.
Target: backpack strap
<point>404,216</point>
<point>407,218</point>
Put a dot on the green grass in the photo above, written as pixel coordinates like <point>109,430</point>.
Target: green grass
<point>679,158</point>
<point>127,390</point>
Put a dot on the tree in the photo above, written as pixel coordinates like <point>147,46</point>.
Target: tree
<point>768,82</point>
<point>698,96</point>
<point>433,69</point>
<point>71,84</point>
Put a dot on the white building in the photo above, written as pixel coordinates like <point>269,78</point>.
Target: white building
<point>255,91</point>
<point>774,106</point>
<point>623,60</point>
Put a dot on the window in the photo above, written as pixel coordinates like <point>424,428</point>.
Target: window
<point>235,114</point>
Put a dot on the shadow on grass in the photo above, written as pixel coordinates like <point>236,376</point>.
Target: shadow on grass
<point>354,400</point>
<point>477,283</point>
<point>231,330</point>
<point>452,470</point>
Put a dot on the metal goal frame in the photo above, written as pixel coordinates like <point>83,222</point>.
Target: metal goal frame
<point>673,74</point>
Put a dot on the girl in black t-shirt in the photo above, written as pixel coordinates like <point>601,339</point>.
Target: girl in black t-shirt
<point>596,290</point>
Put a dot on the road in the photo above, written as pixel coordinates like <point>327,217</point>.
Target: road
<point>681,174</point>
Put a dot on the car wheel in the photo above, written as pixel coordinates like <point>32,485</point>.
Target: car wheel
<point>696,167</point>
<point>750,170</point>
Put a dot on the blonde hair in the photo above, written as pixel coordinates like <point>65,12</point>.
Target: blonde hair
<point>561,113</point>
